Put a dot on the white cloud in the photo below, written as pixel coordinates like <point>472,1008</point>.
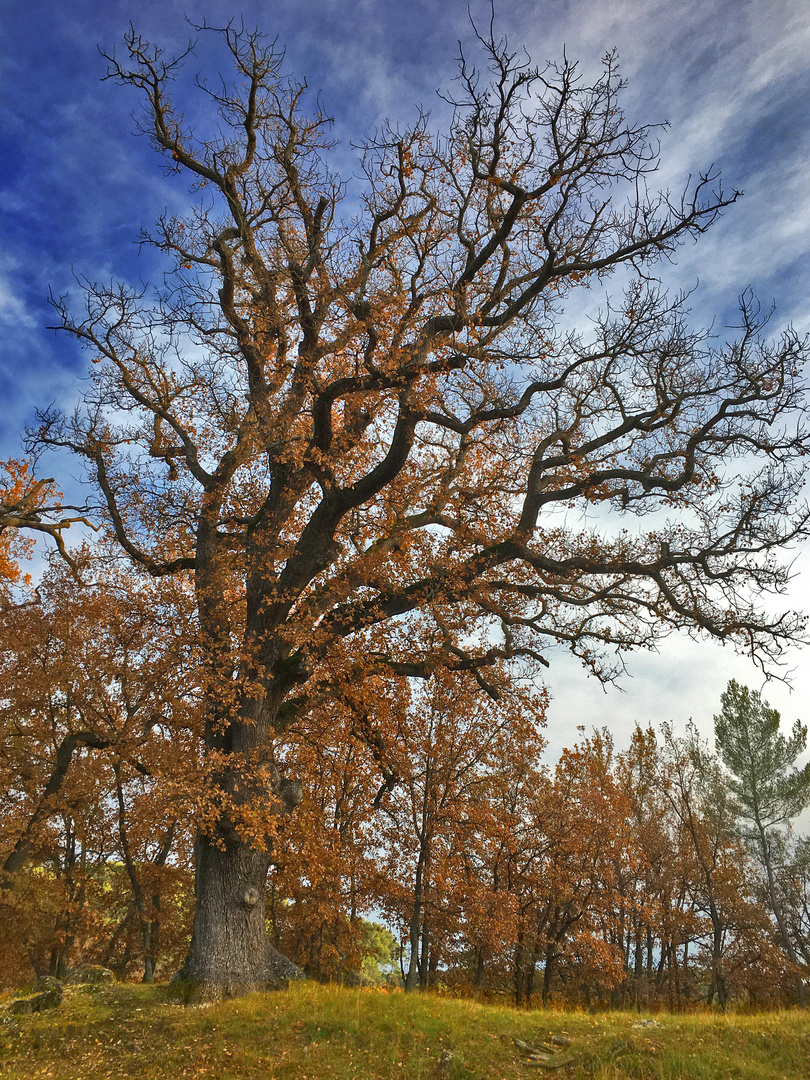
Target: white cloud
<point>13,311</point>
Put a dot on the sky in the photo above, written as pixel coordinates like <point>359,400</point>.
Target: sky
<point>732,78</point>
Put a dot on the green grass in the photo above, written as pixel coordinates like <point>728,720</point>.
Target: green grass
<point>323,1032</point>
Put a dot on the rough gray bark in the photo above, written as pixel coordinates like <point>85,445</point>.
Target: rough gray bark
<point>230,952</point>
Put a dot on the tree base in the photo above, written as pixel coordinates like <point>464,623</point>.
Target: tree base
<point>277,973</point>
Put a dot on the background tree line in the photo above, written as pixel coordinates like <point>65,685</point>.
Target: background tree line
<point>659,872</point>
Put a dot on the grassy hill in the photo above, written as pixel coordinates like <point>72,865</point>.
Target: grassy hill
<point>329,1033</point>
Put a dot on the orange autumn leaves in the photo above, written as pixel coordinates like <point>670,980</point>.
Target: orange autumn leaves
<point>614,874</point>
<point>21,497</point>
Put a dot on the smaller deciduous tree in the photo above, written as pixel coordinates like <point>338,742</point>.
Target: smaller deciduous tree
<point>714,859</point>
<point>98,751</point>
<point>451,742</point>
<point>799,898</point>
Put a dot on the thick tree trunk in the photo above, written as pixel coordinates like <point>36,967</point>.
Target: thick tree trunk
<point>230,951</point>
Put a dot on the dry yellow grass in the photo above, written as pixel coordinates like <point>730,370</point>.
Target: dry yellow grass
<point>328,1033</point>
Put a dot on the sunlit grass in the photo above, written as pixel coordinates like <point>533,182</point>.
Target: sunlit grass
<point>314,1031</point>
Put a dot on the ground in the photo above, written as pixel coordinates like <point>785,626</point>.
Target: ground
<point>322,1032</point>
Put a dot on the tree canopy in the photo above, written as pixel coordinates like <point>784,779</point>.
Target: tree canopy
<point>770,789</point>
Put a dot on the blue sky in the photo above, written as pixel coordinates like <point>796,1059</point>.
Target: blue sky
<point>731,76</point>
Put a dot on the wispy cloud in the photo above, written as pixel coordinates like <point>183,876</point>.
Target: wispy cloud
<point>13,311</point>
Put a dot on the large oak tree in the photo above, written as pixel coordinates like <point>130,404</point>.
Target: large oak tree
<point>351,414</point>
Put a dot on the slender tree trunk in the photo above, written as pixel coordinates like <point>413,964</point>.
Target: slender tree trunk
<point>776,907</point>
<point>76,896</point>
<point>638,966</point>
<point>154,937</point>
<point>121,967</point>
<point>424,955</point>
<point>154,926</point>
<point>547,972</point>
<point>114,939</point>
<point>135,885</point>
<point>674,970</point>
<point>519,968</point>
<point>415,925</point>
<point>478,978</point>
<point>533,961</point>
<point>433,960</point>
<point>718,983</point>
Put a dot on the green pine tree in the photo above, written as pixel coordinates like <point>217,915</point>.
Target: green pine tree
<point>768,786</point>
